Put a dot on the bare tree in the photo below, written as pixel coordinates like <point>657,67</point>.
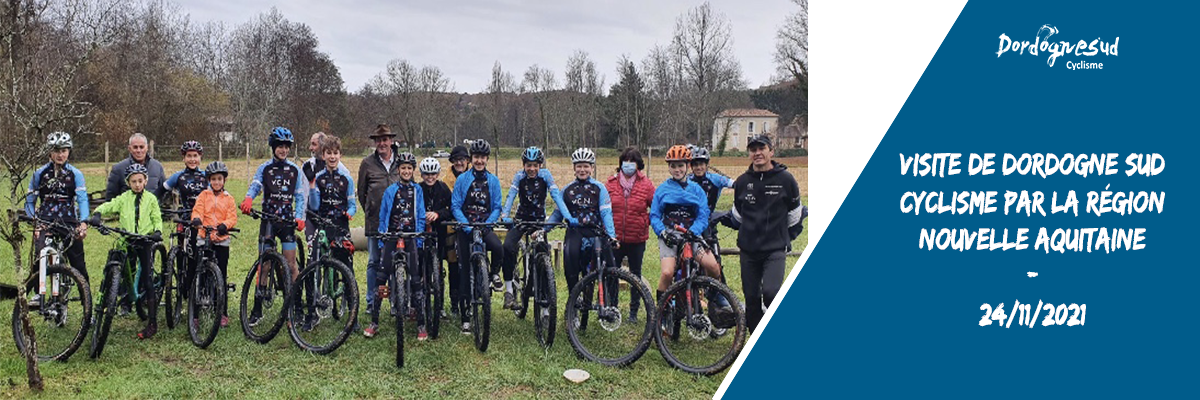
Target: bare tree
<point>45,47</point>
<point>791,45</point>
<point>499,88</point>
<point>435,108</point>
<point>540,82</point>
<point>583,88</point>
<point>705,47</point>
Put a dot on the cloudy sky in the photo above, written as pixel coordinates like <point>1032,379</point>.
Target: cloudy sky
<point>464,38</point>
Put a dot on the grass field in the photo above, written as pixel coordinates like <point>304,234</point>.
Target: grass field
<point>515,366</point>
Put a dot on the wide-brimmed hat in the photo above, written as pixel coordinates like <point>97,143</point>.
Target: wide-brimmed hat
<point>382,130</point>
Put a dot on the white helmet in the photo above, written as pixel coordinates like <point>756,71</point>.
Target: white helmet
<point>584,154</point>
<point>59,140</point>
<point>430,165</point>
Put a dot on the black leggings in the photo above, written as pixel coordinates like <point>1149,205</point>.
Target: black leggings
<point>633,252</point>
<point>576,259</point>
<point>762,276</point>
<point>145,257</point>
<point>512,244</point>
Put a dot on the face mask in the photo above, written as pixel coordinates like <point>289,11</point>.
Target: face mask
<point>628,167</point>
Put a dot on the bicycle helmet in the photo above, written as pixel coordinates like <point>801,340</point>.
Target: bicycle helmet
<point>700,153</point>
<point>480,146</point>
<point>430,165</point>
<point>533,154</point>
<point>59,140</point>
<point>216,167</point>
<point>134,169</point>
<point>583,154</point>
<point>679,153</point>
<point>191,145</point>
<point>408,158</point>
<point>280,136</point>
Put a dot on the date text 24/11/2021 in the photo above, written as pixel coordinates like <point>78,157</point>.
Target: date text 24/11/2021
<point>1027,315</point>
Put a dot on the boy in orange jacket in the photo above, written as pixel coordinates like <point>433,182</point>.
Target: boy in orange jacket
<point>216,207</point>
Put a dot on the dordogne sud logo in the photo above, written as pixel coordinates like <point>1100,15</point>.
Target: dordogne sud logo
<point>1042,44</point>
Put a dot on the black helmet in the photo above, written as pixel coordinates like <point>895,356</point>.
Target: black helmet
<point>216,167</point>
<point>134,169</point>
<point>459,152</point>
<point>480,146</point>
<point>408,158</point>
<point>191,145</point>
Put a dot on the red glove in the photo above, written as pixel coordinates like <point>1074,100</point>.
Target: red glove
<point>299,224</point>
<point>348,216</point>
<point>247,205</point>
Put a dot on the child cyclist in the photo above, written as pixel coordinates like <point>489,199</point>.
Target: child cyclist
<point>59,187</point>
<point>532,183</point>
<point>476,198</point>
<point>680,202</point>
<point>587,202</point>
<point>139,213</point>
<point>437,210</point>
<point>284,194</point>
<point>189,181</point>
<point>332,196</point>
<point>402,210</point>
<point>216,207</point>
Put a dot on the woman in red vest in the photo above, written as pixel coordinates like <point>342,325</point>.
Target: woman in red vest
<point>631,192</point>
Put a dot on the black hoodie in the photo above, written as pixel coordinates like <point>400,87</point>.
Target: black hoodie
<point>766,205</point>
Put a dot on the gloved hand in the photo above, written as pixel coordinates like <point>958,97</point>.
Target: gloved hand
<point>222,230</point>
<point>348,216</point>
<point>299,224</point>
<point>507,220</point>
<point>197,222</point>
<point>156,236</point>
<point>572,221</point>
<point>247,205</point>
<point>671,237</point>
<point>95,220</point>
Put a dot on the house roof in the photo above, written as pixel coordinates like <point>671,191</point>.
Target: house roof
<point>746,112</point>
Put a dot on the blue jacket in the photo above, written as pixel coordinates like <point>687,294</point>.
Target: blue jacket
<point>458,197</point>
<point>290,176</point>
<point>605,207</point>
<point>81,195</point>
<point>385,208</point>
<point>314,196</point>
<point>551,188</point>
<point>670,192</point>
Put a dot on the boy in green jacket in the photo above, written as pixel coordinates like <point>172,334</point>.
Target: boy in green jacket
<point>139,213</point>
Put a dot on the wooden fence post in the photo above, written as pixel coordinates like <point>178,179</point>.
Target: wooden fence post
<point>220,151</point>
<point>248,171</point>
<point>106,156</point>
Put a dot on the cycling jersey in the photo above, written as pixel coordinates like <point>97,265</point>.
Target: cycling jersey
<point>532,190</point>
<point>402,209</point>
<point>678,203</point>
<point>712,183</point>
<point>476,197</point>
<point>283,189</point>
<point>61,191</point>
<point>332,196</point>
<point>588,202</point>
<point>189,183</point>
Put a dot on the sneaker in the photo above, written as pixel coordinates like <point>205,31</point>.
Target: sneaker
<point>466,328</point>
<point>255,318</point>
<point>633,318</point>
<point>126,309</point>
<point>497,283</point>
<point>224,321</point>
<point>371,330</point>
<point>310,322</point>
<point>148,332</point>
<point>421,334</point>
<point>510,301</point>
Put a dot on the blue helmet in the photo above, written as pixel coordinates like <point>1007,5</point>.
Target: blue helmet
<point>279,136</point>
<point>533,154</point>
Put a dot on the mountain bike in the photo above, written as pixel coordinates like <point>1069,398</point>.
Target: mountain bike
<point>689,304</point>
<point>535,279</point>
<point>619,342</point>
<point>206,292</point>
<point>399,285</point>
<point>478,284</point>
<point>268,283</point>
<point>329,290</point>
<point>60,303</point>
<point>119,273</point>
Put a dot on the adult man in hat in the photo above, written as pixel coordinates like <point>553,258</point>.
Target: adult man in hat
<point>375,174</point>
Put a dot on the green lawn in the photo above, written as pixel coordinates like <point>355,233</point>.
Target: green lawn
<point>515,366</point>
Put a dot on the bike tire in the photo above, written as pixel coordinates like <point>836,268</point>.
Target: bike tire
<point>547,300</point>
<point>697,284</point>
<point>85,293</point>
<point>108,308</point>
<point>341,273</point>
<point>642,344</point>
<point>279,292</point>
<point>206,295</point>
<point>172,295</point>
<point>398,296</point>
<point>435,286</point>
<point>481,304</point>
<point>521,281</point>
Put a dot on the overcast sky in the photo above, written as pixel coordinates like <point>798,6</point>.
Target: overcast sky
<point>464,38</point>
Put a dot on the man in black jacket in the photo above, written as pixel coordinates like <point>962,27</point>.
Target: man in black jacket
<point>766,205</point>
<point>375,174</point>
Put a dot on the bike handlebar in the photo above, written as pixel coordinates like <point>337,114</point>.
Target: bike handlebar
<point>107,230</point>
<point>257,214</point>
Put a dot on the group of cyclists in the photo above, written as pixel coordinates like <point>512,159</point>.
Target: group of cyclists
<point>450,205</point>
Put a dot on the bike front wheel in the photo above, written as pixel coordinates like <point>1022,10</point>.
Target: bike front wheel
<point>173,289</point>
<point>313,304</point>
<point>207,295</point>
<point>615,341</point>
<point>545,304</point>
<point>688,340</point>
<point>61,320</point>
<point>481,302</point>
<point>108,308</point>
<point>264,294</point>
